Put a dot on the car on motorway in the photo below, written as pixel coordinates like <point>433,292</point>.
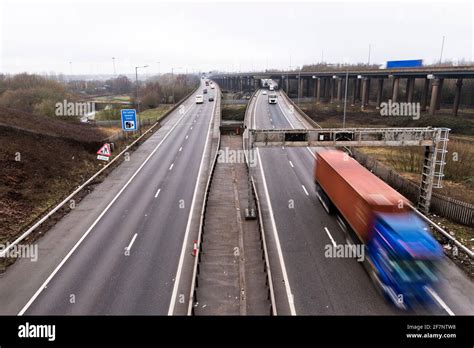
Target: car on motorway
<point>264,92</point>
<point>272,98</point>
<point>211,98</point>
<point>212,86</point>
<point>204,91</point>
<point>199,99</point>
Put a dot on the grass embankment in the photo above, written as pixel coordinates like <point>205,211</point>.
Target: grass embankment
<point>156,113</point>
<point>42,158</point>
<point>150,114</point>
<point>233,112</point>
<point>115,98</point>
<point>330,116</point>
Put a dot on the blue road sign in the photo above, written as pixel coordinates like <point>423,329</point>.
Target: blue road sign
<point>413,63</point>
<point>129,120</point>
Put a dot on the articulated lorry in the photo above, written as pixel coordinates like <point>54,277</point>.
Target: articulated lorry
<point>400,252</point>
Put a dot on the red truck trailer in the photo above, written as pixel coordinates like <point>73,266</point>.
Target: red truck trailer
<point>400,253</point>
<point>356,192</point>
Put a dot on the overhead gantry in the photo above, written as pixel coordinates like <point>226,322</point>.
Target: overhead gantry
<point>434,140</point>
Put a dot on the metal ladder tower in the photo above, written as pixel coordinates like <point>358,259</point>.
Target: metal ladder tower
<point>433,168</point>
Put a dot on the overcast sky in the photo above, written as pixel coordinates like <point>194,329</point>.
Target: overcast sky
<point>44,36</point>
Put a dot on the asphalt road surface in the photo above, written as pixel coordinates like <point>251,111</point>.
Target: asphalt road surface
<point>299,229</point>
<point>127,260</point>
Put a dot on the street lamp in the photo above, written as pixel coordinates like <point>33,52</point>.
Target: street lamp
<point>172,80</point>
<point>138,101</point>
<point>113,62</point>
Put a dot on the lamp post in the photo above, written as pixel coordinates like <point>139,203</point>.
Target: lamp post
<point>441,54</point>
<point>113,62</point>
<point>138,100</point>
<point>172,80</point>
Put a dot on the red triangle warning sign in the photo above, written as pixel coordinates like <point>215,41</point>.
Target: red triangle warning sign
<point>104,150</point>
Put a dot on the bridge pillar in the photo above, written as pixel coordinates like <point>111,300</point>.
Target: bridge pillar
<point>396,86</point>
<point>364,93</point>
<point>457,97</point>
<point>287,85</point>
<point>318,90</point>
<point>367,93</point>
<point>327,91</point>
<point>308,87</point>
<point>440,89</point>
<point>339,89</point>
<point>358,83</point>
<point>410,89</point>
<point>379,92</point>
<point>434,96</point>
<point>424,94</point>
<point>354,92</point>
<point>323,89</point>
<point>331,90</point>
<point>300,86</point>
<point>241,84</point>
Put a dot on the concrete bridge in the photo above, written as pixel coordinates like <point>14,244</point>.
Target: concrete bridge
<point>329,86</point>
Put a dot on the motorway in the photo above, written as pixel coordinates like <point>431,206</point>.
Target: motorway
<point>299,228</point>
<point>130,258</point>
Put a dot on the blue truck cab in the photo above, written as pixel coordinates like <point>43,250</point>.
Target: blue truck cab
<point>403,255</point>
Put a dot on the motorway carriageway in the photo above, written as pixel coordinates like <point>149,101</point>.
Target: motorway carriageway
<point>129,255</point>
<point>298,229</point>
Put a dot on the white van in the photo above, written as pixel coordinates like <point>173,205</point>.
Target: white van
<point>199,99</point>
<point>272,98</point>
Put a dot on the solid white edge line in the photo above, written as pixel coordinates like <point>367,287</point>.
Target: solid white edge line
<point>307,147</point>
<point>255,110</point>
<point>131,243</point>
<point>289,294</point>
<point>157,193</point>
<point>440,301</point>
<point>91,227</point>
<point>188,226</point>
<point>305,191</point>
<point>330,237</point>
<point>284,115</point>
